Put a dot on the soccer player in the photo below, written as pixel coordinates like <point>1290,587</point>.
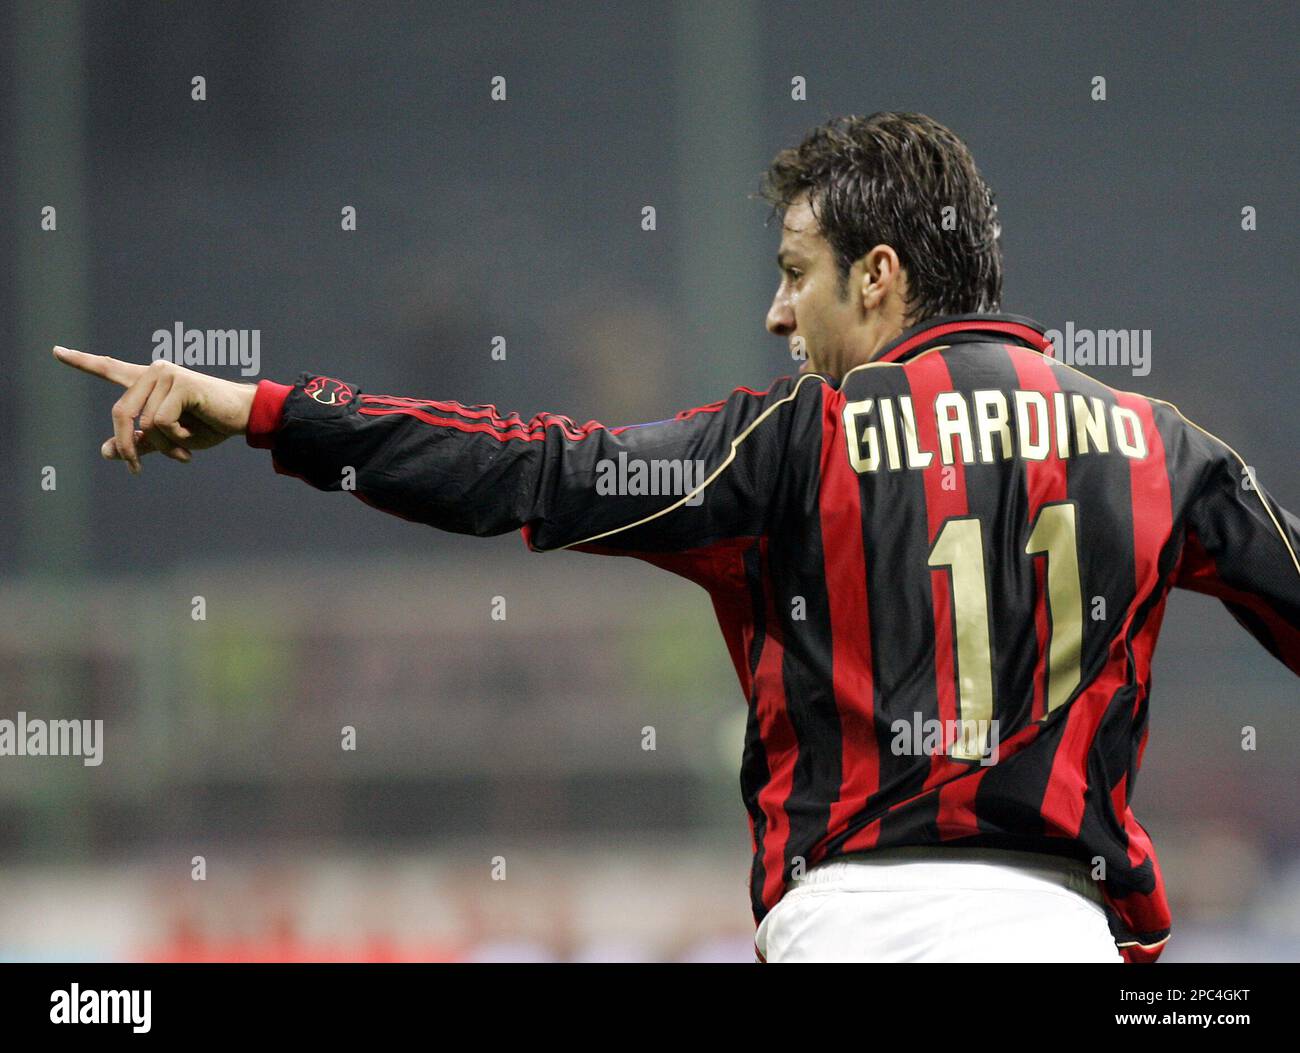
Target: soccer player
<point>939,559</point>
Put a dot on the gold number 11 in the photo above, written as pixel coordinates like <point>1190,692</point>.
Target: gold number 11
<point>960,548</point>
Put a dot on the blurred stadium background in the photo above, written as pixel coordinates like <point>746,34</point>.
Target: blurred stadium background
<point>521,739</point>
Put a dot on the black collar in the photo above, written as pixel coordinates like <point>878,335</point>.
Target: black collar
<point>959,328</point>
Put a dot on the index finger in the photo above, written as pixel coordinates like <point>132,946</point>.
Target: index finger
<point>119,372</point>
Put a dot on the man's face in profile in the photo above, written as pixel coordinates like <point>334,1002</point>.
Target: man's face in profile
<point>812,308</point>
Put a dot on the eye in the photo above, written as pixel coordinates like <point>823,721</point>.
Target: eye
<point>793,273</point>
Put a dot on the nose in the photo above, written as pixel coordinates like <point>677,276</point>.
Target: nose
<point>780,317</point>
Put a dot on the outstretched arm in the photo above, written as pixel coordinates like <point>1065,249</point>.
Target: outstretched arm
<point>708,473</point>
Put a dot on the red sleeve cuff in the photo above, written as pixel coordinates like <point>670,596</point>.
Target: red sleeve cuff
<point>268,409</point>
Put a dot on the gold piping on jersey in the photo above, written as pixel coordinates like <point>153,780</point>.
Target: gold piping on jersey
<point>1286,543</point>
<point>731,456</point>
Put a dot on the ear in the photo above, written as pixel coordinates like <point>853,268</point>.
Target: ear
<point>882,275</point>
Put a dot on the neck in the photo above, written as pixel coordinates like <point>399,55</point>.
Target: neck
<point>877,334</point>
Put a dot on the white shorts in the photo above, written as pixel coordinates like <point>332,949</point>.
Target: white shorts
<point>940,904</point>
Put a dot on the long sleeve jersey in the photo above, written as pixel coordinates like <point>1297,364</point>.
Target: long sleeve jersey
<point>940,581</point>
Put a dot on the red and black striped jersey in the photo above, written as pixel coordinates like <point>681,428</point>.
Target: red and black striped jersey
<point>940,582</point>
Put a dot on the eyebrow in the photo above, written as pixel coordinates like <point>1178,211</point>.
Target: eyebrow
<point>784,255</point>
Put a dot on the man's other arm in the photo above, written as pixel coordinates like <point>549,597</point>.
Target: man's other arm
<point>1241,546</point>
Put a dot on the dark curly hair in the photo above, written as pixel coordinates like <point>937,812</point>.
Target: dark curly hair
<point>886,179</point>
